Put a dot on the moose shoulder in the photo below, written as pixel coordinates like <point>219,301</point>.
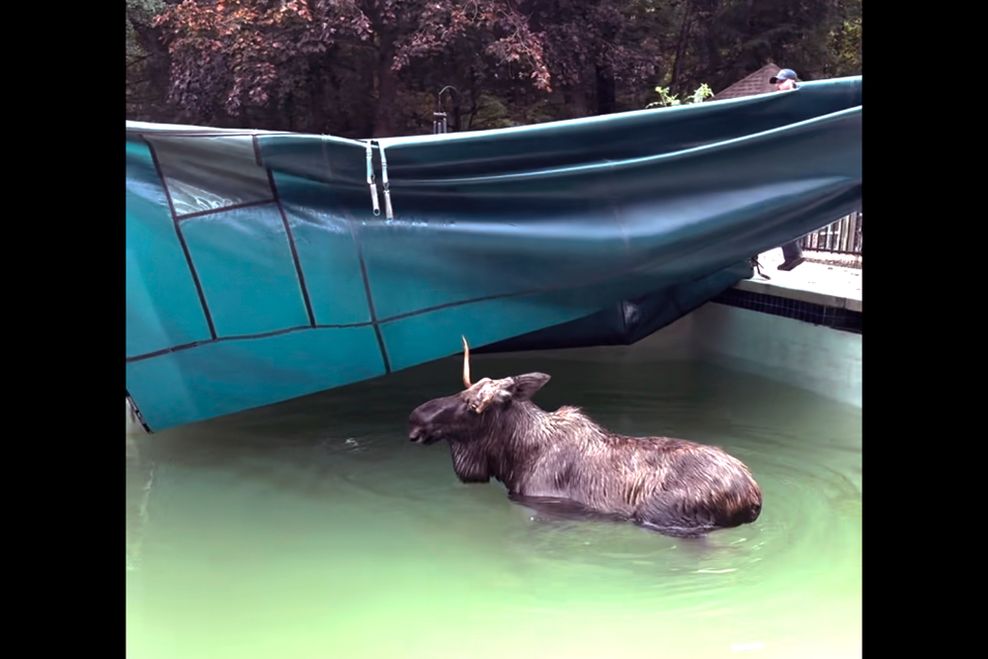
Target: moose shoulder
<point>673,486</point>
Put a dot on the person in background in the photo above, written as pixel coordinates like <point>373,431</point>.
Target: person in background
<point>785,80</point>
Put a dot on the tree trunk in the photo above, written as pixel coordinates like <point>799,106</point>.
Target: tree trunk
<point>315,105</point>
<point>158,69</point>
<point>473,98</point>
<point>684,33</point>
<point>387,86</point>
<point>606,97</point>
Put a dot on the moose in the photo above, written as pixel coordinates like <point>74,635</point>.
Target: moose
<point>673,486</point>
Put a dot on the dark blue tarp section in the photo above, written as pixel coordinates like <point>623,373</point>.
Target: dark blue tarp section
<point>258,271</point>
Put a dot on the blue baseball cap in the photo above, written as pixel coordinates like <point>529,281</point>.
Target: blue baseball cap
<point>784,74</point>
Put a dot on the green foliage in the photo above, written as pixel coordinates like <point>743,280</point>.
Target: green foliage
<point>666,99</point>
<point>358,68</point>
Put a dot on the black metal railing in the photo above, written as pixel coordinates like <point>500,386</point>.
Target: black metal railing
<point>840,237</point>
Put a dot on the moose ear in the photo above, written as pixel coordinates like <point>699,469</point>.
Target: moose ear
<point>525,386</point>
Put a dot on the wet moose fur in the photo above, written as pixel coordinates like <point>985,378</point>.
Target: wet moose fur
<point>673,486</point>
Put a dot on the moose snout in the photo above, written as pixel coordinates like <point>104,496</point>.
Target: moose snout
<point>418,423</point>
<point>430,421</point>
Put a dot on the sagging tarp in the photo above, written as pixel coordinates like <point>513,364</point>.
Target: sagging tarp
<point>258,271</point>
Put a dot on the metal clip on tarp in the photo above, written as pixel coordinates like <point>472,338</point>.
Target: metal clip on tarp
<point>370,180</point>
<point>388,211</point>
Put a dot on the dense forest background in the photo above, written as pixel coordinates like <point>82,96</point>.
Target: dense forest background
<point>373,68</point>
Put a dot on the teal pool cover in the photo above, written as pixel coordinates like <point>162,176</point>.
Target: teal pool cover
<point>262,266</point>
